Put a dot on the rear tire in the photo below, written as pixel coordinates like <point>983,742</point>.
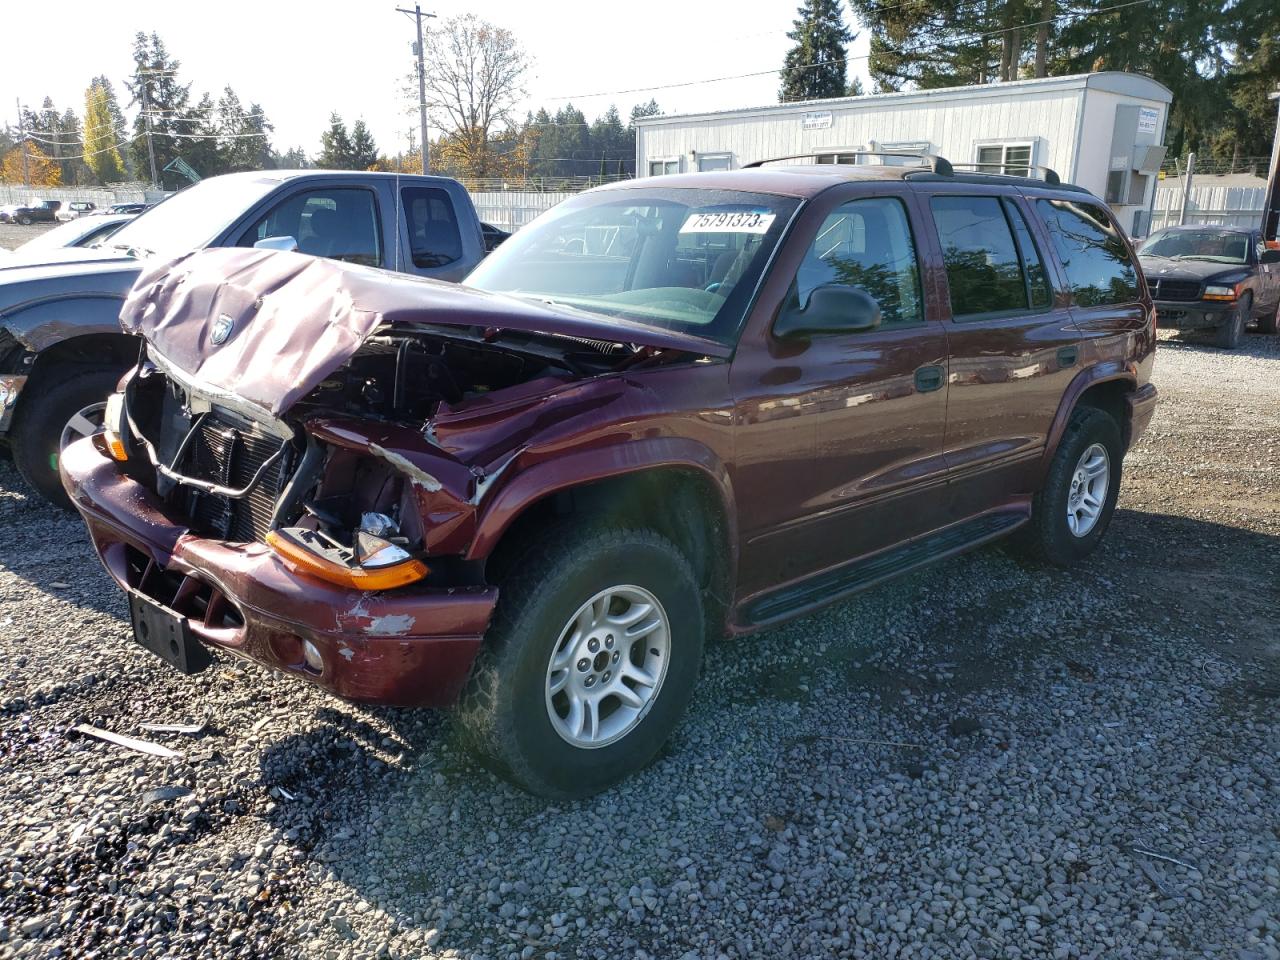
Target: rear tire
<point>1052,535</point>
<point>1271,322</point>
<point>46,412</point>
<point>550,646</point>
<point>1231,332</point>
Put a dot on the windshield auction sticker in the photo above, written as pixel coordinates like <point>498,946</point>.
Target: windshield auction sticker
<point>728,221</point>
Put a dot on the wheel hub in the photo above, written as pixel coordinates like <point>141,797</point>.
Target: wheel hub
<point>607,666</point>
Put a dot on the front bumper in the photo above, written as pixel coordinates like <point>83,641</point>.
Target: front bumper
<point>1193,314</point>
<point>412,646</point>
<point>11,385</point>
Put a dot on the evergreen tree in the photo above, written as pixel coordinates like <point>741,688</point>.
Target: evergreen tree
<point>815,67</point>
<point>292,159</point>
<point>364,152</point>
<point>335,145</point>
<point>206,153</point>
<point>245,144</point>
<point>101,136</point>
<point>155,79</point>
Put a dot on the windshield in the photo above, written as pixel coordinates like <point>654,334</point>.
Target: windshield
<point>191,218</point>
<point>1220,246</point>
<point>681,259</point>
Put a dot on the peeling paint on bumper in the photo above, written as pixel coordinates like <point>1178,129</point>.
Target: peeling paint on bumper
<point>408,647</point>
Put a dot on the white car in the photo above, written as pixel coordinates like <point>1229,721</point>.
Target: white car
<point>76,209</point>
<point>82,232</point>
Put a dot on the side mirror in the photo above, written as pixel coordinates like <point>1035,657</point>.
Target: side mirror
<point>277,243</point>
<point>832,308</point>
<point>1269,256</point>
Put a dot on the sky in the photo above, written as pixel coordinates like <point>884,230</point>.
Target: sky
<point>303,59</point>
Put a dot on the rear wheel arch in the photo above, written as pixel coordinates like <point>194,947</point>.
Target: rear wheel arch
<point>1105,390</point>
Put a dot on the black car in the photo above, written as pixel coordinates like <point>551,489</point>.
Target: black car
<point>1212,277</point>
<point>493,236</point>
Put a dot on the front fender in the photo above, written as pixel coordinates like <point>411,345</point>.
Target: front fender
<point>591,464</point>
<point>39,324</point>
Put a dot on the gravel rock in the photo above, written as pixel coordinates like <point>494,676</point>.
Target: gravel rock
<point>821,800</point>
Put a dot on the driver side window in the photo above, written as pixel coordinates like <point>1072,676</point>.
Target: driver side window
<point>867,244</point>
<point>340,223</point>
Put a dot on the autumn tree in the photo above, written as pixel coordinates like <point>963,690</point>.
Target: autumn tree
<point>475,77</point>
<point>38,169</point>
<point>814,67</point>
<point>104,131</point>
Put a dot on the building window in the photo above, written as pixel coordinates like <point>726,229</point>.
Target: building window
<point>851,158</point>
<point>1013,159</point>
<point>714,161</point>
<point>666,165</point>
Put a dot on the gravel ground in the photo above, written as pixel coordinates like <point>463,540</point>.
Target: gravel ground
<point>986,759</point>
<point>14,234</point>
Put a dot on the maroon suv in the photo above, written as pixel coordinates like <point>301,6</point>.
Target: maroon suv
<point>668,408</point>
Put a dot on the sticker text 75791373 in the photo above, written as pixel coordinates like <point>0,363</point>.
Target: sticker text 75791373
<point>728,221</point>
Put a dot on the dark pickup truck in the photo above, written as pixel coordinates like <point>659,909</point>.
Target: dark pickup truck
<point>61,346</point>
<point>42,211</point>
<point>668,407</point>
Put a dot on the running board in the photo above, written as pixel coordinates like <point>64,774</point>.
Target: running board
<point>832,585</point>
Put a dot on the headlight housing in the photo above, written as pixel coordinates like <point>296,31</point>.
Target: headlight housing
<point>1219,292</point>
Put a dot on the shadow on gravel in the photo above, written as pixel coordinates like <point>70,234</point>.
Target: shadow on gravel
<point>897,683</point>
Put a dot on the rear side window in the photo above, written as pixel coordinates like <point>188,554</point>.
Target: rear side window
<point>1093,254</point>
<point>984,270</point>
<point>1039,295</point>
<point>867,244</point>
<point>434,239</point>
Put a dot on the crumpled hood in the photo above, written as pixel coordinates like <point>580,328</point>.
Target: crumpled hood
<point>267,326</point>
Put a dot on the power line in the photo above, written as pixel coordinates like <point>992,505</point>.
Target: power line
<point>831,63</point>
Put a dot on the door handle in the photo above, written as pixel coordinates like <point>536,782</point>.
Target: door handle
<point>1068,356</point>
<point>928,378</point>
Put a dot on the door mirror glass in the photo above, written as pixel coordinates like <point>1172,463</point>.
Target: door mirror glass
<point>832,308</point>
<point>277,243</point>
<point>1269,256</point>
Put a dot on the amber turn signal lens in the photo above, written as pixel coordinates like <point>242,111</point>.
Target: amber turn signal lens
<point>109,444</point>
<point>299,558</point>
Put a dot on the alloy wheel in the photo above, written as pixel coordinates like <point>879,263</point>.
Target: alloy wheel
<point>84,423</point>
<point>608,666</point>
<point>1088,493</point>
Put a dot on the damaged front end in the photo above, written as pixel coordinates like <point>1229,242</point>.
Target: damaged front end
<point>296,466</point>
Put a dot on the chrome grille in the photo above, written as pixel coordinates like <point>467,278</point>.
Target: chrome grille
<point>1165,289</point>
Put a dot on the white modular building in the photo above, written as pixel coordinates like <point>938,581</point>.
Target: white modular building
<point>1103,131</point>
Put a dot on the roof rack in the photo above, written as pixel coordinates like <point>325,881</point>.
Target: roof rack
<point>1047,174</point>
<point>939,165</point>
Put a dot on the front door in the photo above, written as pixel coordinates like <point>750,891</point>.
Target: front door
<point>840,435</point>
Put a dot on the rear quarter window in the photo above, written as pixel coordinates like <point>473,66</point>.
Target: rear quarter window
<point>1094,256</point>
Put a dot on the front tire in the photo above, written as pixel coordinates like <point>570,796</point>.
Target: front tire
<point>589,663</point>
<point>1072,510</point>
<point>1231,332</point>
<point>64,405</point>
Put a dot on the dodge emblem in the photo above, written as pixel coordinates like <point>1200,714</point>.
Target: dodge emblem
<point>222,329</point>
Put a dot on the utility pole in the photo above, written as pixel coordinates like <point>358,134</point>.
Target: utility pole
<point>1271,204</point>
<point>417,15</point>
<point>22,135</point>
<point>146,113</point>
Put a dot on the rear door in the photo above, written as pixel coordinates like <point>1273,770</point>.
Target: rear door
<point>1014,346</point>
<point>840,435</point>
